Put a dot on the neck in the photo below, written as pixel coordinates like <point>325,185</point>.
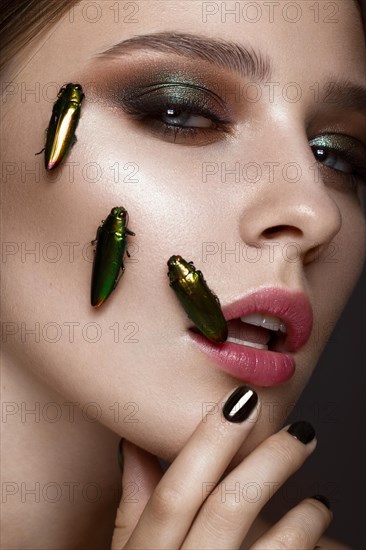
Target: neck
<point>60,476</point>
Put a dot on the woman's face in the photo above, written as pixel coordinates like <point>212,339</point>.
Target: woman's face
<point>234,187</point>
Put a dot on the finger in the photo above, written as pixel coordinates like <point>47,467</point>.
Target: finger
<point>229,511</point>
<point>196,470</point>
<point>300,528</point>
<point>141,473</point>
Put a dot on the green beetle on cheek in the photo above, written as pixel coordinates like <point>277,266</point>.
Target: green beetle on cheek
<point>111,242</point>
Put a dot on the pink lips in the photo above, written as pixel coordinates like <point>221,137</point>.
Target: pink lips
<point>261,367</point>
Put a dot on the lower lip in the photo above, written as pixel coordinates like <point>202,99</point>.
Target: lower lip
<point>254,366</point>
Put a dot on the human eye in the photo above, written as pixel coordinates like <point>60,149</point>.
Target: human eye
<point>181,113</point>
<point>343,154</point>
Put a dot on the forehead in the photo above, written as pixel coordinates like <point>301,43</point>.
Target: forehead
<point>302,39</point>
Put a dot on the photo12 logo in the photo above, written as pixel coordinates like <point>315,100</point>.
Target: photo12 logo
<point>269,11</point>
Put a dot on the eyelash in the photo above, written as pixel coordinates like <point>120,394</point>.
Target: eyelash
<point>186,132</point>
<point>357,176</point>
<point>152,115</point>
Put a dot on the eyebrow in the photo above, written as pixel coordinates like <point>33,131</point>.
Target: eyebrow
<point>344,94</point>
<point>235,57</point>
<point>227,54</point>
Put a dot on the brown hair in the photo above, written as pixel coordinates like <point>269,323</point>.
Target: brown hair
<point>22,21</point>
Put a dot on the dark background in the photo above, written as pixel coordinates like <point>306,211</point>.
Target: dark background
<point>334,402</point>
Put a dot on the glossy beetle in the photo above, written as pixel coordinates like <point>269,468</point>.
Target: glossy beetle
<point>111,242</point>
<point>200,303</point>
<point>62,126</point>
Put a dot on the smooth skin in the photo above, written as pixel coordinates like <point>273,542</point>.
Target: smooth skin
<point>144,378</point>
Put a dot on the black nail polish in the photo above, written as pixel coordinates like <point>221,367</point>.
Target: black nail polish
<point>303,431</point>
<point>120,454</point>
<point>240,404</point>
<point>322,499</point>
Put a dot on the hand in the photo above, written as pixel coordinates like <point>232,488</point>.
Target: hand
<point>187,508</point>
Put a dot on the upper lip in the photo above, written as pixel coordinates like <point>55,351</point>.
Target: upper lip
<point>293,308</point>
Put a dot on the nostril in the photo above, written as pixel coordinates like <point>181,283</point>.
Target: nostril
<point>290,230</point>
<point>274,229</point>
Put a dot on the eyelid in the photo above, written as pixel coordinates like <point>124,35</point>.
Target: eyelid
<point>147,105</point>
<point>350,147</point>
<point>160,95</point>
<point>336,141</point>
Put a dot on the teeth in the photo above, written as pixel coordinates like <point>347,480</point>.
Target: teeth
<point>283,328</point>
<point>266,321</point>
<point>245,343</point>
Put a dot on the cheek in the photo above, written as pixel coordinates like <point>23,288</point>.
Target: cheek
<point>49,222</point>
<point>112,355</point>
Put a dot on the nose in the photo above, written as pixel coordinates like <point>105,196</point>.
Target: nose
<point>293,205</point>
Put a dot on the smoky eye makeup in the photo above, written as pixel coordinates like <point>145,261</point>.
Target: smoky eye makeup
<point>166,94</point>
<point>194,105</point>
<point>178,109</point>
<point>179,106</point>
<point>341,155</point>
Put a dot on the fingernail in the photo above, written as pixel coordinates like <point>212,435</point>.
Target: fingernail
<point>120,454</point>
<point>240,404</point>
<point>303,431</point>
<point>322,499</point>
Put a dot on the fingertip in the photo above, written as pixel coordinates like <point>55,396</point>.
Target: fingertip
<point>323,499</point>
<point>302,431</point>
<point>324,504</point>
<point>240,404</point>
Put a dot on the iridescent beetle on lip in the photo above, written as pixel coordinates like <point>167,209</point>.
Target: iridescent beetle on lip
<point>199,302</point>
<point>62,126</point>
<point>111,242</point>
